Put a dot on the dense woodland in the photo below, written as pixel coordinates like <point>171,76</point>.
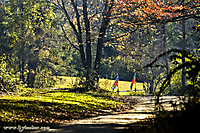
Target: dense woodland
<point>98,39</point>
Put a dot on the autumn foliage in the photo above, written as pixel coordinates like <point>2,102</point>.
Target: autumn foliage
<point>148,11</point>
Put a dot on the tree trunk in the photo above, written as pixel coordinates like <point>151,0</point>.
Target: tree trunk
<point>166,57</point>
<point>23,65</point>
<point>88,41</point>
<point>33,74</point>
<point>21,69</point>
<point>32,65</point>
<point>152,89</point>
<point>28,76</point>
<point>183,60</point>
<point>106,18</point>
<point>151,86</point>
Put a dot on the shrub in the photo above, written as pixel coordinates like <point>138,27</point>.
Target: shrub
<point>44,79</point>
<point>9,82</point>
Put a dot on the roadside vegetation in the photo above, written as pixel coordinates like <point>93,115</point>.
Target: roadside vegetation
<point>51,106</point>
<point>185,113</point>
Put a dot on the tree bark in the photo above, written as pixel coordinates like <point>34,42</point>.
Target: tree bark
<point>28,80</point>
<point>183,60</point>
<point>32,65</point>
<point>88,40</point>
<point>166,57</point>
<point>23,65</point>
<point>106,18</point>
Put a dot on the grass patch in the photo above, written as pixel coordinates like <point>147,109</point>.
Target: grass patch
<point>106,84</point>
<point>64,81</point>
<point>50,106</point>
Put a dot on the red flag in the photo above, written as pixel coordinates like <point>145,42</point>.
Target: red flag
<point>115,84</point>
<point>133,81</point>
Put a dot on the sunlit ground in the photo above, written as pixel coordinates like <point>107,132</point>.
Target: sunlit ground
<point>66,82</point>
<point>49,106</point>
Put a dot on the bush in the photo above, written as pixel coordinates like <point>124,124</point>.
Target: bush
<point>79,85</point>
<point>82,84</point>
<point>44,79</point>
<point>138,93</point>
<point>184,120</point>
<point>9,82</point>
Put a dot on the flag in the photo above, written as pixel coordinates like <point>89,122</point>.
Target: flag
<point>133,81</point>
<point>115,84</point>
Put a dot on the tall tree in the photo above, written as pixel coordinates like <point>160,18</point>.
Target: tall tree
<point>183,48</point>
<point>87,19</point>
<point>26,22</point>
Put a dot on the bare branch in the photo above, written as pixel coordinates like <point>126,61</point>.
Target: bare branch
<point>78,21</point>
<point>105,20</point>
<point>191,36</point>
<point>163,54</point>
<point>68,18</point>
<point>65,35</point>
<point>175,19</point>
<point>120,36</point>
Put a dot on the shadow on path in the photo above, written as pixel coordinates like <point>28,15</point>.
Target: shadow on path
<point>88,128</point>
<point>112,123</point>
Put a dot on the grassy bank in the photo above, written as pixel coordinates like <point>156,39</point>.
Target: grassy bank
<point>50,106</point>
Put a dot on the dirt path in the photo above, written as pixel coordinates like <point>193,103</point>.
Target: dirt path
<point>113,123</point>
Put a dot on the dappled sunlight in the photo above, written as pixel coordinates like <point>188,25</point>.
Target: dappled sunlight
<point>51,107</point>
<point>64,81</point>
<point>116,121</point>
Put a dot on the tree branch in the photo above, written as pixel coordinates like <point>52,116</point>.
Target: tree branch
<point>65,35</point>
<point>175,19</point>
<point>163,54</point>
<point>173,71</point>
<point>121,35</point>
<point>106,18</point>
<point>68,18</point>
<point>78,22</point>
<point>88,35</point>
<point>78,35</point>
<point>191,36</point>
